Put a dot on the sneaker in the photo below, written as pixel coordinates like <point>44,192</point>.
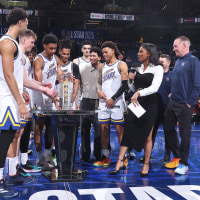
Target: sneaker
<point>84,160</point>
<point>173,164</point>
<point>166,160</point>
<point>5,191</point>
<point>49,159</point>
<point>141,160</point>
<point>22,172</point>
<point>53,156</point>
<point>131,155</point>
<point>103,162</point>
<point>18,179</point>
<point>30,152</point>
<point>47,166</point>
<point>40,163</point>
<point>181,169</point>
<point>126,162</point>
<point>29,167</point>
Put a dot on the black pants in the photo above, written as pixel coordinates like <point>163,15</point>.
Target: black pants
<point>159,120</point>
<point>183,114</point>
<point>87,120</point>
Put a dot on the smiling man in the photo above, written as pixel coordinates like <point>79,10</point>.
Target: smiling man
<point>185,89</point>
<point>89,80</point>
<point>114,75</point>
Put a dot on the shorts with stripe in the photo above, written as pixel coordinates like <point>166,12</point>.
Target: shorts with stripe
<point>113,116</point>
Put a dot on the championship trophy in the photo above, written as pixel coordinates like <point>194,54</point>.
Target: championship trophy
<point>66,91</point>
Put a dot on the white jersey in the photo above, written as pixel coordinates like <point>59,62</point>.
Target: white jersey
<point>49,74</point>
<point>111,82</point>
<point>9,114</point>
<point>82,64</point>
<point>27,66</point>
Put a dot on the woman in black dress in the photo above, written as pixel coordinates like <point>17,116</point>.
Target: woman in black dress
<point>138,131</point>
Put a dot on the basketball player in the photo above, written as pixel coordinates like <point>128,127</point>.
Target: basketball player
<point>83,62</point>
<point>67,66</point>
<point>26,42</point>
<point>46,69</point>
<point>114,83</point>
<point>11,87</point>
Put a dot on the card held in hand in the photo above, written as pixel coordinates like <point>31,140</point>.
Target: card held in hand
<point>138,110</point>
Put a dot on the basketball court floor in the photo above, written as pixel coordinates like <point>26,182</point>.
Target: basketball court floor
<point>160,184</point>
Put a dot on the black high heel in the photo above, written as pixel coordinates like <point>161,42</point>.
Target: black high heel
<point>115,172</point>
<point>144,174</point>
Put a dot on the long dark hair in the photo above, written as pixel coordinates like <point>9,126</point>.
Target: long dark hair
<point>151,48</point>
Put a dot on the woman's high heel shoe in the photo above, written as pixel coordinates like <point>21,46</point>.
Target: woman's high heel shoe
<point>144,174</point>
<point>115,172</point>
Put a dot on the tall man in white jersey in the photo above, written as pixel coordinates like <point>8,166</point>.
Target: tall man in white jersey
<point>83,62</point>
<point>11,88</point>
<point>114,83</point>
<point>46,69</point>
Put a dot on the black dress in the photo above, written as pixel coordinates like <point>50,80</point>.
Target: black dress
<point>137,130</point>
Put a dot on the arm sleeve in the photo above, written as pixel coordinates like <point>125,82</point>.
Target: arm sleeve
<point>120,91</point>
<point>76,72</point>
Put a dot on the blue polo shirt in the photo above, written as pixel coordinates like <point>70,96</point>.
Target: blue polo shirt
<point>164,90</point>
<point>185,80</point>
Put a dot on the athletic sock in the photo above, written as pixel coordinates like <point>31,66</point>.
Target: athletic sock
<point>47,153</point>
<point>24,158</point>
<point>12,166</point>
<point>105,152</point>
<point>40,155</point>
<point>1,173</point>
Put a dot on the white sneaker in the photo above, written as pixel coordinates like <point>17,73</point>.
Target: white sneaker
<point>181,169</point>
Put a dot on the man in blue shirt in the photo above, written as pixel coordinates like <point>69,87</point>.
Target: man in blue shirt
<point>185,89</point>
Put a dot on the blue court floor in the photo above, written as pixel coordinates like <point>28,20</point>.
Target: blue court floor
<point>161,184</point>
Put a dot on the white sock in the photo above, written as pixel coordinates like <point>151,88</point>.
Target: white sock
<point>17,160</point>
<point>1,173</point>
<point>105,152</point>
<point>24,158</point>
<point>47,152</point>
<point>40,155</point>
<point>12,166</point>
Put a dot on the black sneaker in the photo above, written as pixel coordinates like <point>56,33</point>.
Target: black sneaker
<point>29,167</point>
<point>30,152</point>
<point>22,172</point>
<point>131,155</point>
<point>141,160</point>
<point>5,191</point>
<point>166,160</point>
<point>18,179</point>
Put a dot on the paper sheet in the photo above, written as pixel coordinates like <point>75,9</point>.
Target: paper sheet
<point>137,110</point>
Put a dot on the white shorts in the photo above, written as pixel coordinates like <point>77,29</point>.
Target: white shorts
<point>9,113</point>
<point>111,115</point>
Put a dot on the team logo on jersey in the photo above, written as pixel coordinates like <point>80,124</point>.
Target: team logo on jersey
<point>51,70</point>
<point>182,64</point>
<point>109,74</point>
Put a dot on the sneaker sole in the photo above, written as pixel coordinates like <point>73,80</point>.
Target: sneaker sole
<point>8,196</point>
<point>32,170</point>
